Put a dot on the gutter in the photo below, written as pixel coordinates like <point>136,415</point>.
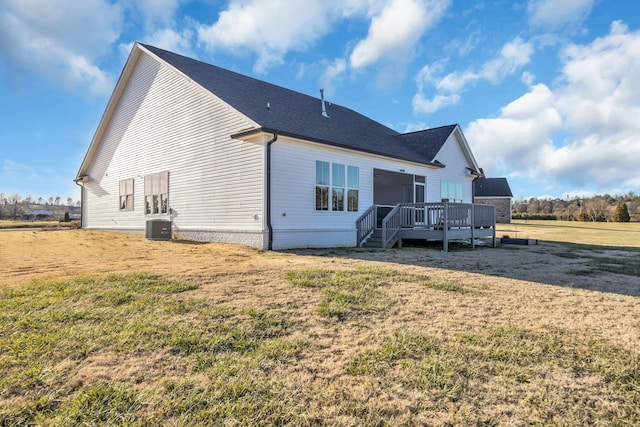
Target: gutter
<point>268,201</point>
<point>254,131</point>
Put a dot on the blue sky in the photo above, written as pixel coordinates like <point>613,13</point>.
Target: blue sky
<point>547,91</point>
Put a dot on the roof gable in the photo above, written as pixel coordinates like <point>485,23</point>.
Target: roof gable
<point>492,187</point>
<point>280,110</point>
<point>427,143</point>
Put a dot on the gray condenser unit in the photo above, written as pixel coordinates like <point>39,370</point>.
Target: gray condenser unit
<point>158,229</point>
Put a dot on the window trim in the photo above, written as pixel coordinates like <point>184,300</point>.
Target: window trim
<point>156,193</point>
<point>126,190</point>
<point>353,187</point>
<point>339,190</point>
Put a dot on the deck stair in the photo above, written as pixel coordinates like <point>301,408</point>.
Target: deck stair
<point>374,240</point>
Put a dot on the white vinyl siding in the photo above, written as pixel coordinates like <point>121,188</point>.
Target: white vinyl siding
<point>165,122</point>
<point>455,171</point>
<point>295,220</point>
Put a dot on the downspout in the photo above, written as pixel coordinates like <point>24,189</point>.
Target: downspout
<point>79,184</point>
<point>268,202</point>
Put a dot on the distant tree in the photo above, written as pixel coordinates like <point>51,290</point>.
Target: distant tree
<point>69,201</point>
<point>596,209</point>
<point>3,202</point>
<point>40,200</point>
<point>622,213</point>
<point>16,207</point>
<point>58,200</point>
<point>573,211</point>
<point>50,201</point>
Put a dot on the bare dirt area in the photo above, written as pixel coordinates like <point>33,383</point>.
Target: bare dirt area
<point>545,284</point>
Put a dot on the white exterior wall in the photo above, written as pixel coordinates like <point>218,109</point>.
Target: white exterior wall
<point>295,220</point>
<point>164,122</point>
<point>452,156</point>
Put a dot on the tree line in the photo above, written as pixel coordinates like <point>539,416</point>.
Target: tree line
<point>15,206</point>
<point>600,208</point>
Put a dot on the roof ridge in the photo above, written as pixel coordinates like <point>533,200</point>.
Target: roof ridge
<point>245,76</point>
<point>429,129</point>
<point>288,111</point>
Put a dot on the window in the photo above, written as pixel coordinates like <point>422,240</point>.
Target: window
<point>126,195</point>
<point>336,180</point>
<point>451,191</point>
<point>156,192</point>
<point>419,184</point>
<point>337,187</point>
<point>353,184</point>
<point>322,186</point>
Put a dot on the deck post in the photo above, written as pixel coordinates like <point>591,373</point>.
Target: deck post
<point>473,226</point>
<point>494,227</point>
<point>445,227</point>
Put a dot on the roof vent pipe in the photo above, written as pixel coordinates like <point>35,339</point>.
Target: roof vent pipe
<point>324,106</point>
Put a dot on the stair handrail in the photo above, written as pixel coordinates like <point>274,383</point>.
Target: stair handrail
<point>391,225</point>
<point>366,224</point>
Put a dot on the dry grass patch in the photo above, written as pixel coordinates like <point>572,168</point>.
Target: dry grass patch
<point>222,334</point>
<point>351,292</point>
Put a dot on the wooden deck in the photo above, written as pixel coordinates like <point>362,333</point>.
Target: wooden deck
<point>387,226</point>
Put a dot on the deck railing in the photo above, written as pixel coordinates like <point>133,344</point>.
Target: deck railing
<point>451,218</point>
<point>454,215</point>
<point>391,225</point>
<point>484,216</point>
<point>366,224</point>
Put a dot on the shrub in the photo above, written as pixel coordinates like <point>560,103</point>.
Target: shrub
<point>533,216</point>
<point>622,213</point>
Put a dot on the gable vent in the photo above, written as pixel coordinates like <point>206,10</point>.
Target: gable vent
<point>324,105</point>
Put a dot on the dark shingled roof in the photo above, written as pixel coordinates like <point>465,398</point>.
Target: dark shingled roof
<point>492,187</point>
<point>294,114</point>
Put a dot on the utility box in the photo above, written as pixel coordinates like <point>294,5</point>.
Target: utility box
<point>158,229</point>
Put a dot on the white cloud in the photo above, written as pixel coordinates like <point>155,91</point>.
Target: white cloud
<point>602,82</point>
<point>555,14</point>
<point>331,76</point>
<point>414,127</point>
<point>583,132</point>
<point>155,13</point>
<point>174,41</point>
<point>394,32</point>
<point>520,138</point>
<point>527,78</point>
<point>269,28</point>
<point>41,37</point>
<point>513,56</point>
<point>425,105</point>
<point>14,171</point>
